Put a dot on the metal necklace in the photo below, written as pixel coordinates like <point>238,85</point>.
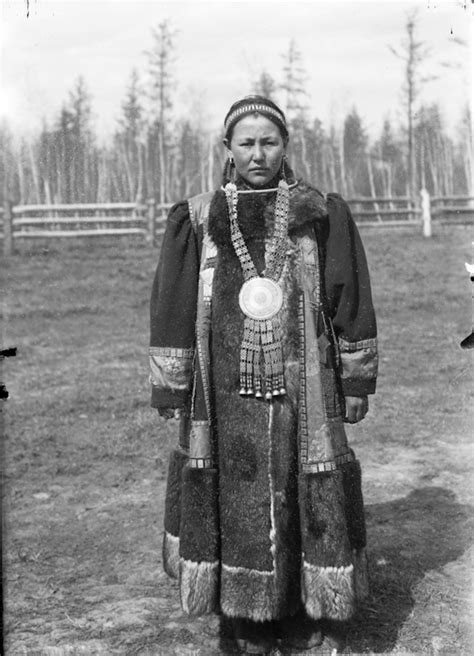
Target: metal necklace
<point>261,299</point>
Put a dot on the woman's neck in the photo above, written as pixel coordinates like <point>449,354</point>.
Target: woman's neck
<point>242,183</point>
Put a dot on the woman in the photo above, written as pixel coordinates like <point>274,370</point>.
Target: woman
<point>263,339</point>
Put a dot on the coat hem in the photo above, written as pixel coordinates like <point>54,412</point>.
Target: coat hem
<point>239,585</point>
<point>332,592</point>
<point>171,555</point>
<point>199,586</point>
<point>328,592</point>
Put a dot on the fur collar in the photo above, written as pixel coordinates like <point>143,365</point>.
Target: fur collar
<point>255,213</point>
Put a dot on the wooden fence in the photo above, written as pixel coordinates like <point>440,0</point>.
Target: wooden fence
<point>26,222</point>
<point>81,220</point>
<point>452,208</point>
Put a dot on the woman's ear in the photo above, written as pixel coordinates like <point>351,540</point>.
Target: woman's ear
<point>226,143</point>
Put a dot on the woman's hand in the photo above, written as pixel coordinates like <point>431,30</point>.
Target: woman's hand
<point>356,408</point>
<point>170,413</point>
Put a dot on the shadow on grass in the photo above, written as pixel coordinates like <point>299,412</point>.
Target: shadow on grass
<point>407,538</point>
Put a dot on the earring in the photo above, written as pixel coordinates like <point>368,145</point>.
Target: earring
<point>232,171</point>
<point>283,167</point>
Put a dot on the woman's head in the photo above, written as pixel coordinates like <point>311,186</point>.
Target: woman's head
<point>255,105</point>
<point>256,137</point>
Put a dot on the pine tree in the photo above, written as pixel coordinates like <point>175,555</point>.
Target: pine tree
<point>296,105</point>
<point>160,59</point>
<point>355,155</point>
<point>294,79</point>
<point>414,54</point>
<point>129,141</point>
<point>265,86</point>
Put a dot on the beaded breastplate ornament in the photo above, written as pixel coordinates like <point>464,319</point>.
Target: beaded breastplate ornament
<point>261,299</point>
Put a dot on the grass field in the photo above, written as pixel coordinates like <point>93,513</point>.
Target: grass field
<point>85,456</point>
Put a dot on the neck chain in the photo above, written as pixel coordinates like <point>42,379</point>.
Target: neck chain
<point>260,300</point>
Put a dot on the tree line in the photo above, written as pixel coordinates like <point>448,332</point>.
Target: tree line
<point>155,154</point>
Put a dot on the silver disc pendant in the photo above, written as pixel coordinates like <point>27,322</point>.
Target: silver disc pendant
<point>260,298</point>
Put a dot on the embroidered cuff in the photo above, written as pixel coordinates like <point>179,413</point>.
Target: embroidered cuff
<point>359,366</point>
<point>171,368</point>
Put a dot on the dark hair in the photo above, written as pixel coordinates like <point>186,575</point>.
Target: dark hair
<point>251,105</point>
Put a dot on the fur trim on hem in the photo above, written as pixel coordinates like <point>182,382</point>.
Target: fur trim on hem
<point>248,593</point>
<point>171,555</point>
<point>199,587</point>
<point>328,592</point>
<point>361,574</point>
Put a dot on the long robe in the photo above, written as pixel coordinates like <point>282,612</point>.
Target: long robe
<point>264,510</point>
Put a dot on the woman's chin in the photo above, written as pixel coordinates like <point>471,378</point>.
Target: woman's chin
<point>258,180</point>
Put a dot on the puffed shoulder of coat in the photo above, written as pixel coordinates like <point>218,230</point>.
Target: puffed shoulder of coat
<point>349,299</point>
<point>173,311</point>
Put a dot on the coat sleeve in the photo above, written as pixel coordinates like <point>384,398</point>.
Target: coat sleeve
<point>350,301</point>
<point>173,312</point>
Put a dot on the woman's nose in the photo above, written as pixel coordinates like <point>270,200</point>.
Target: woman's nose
<point>258,153</point>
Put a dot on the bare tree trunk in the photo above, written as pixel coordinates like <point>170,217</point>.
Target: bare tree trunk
<point>450,165</point>
<point>332,168</point>
<point>433,169</point>
<point>210,164</point>
<point>21,180</point>
<point>344,181</point>
<point>130,194</point>
<point>202,171</point>
<point>372,186</point>
<point>389,181</point>
<point>149,172</point>
<point>34,174</point>
<point>47,192</point>
<point>101,173</point>
<point>304,157</point>
<point>468,170</point>
<point>422,164</point>
<point>172,182</point>
<point>139,197</point>
<point>161,155</point>
<point>444,165</point>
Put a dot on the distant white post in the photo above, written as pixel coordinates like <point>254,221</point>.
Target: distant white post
<point>426,212</point>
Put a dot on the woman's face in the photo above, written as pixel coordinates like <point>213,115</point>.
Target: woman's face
<point>257,147</point>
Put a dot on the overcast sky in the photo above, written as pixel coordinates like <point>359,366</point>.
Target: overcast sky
<point>221,47</point>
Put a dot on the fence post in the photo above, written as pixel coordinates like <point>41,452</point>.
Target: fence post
<point>151,214</point>
<point>426,212</point>
<point>8,229</point>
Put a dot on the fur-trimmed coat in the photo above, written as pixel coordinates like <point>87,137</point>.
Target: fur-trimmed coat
<point>264,508</point>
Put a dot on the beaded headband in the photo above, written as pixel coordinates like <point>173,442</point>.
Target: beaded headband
<point>250,109</point>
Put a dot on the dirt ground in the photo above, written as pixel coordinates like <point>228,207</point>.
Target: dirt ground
<point>85,457</point>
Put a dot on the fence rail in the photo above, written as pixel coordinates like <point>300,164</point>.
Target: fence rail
<point>80,207</point>
<point>148,220</point>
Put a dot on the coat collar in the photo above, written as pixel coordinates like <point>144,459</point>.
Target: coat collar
<point>255,212</point>
<point>306,204</point>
